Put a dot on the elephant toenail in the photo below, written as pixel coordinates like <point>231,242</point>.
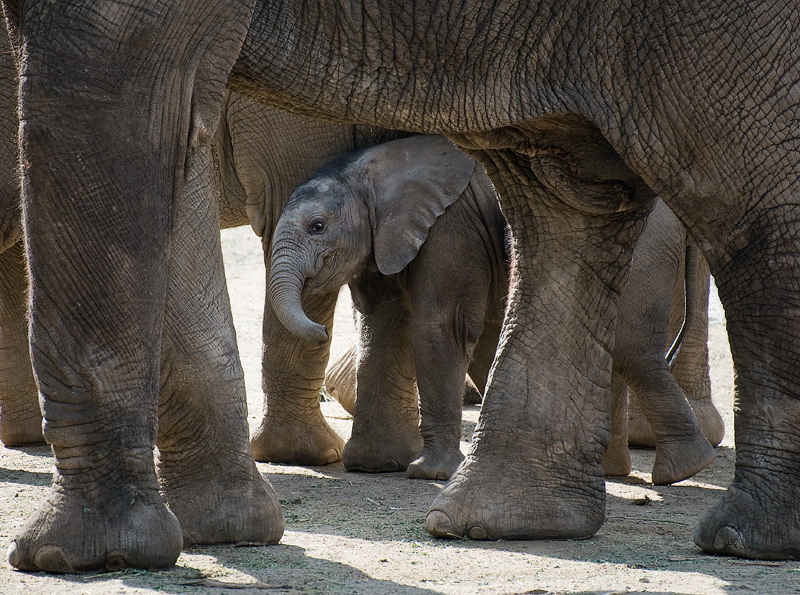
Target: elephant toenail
<point>728,539</point>
<point>51,558</point>
<point>15,557</point>
<point>477,533</point>
<point>438,524</point>
<point>115,561</point>
<point>390,466</point>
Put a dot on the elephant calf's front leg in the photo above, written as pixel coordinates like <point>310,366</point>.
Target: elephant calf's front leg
<point>386,422</point>
<point>293,429</point>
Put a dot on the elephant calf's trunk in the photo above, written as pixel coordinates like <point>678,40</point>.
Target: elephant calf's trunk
<point>285,291</point>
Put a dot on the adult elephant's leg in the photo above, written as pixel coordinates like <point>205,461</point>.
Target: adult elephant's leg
<point>207,473</point>
<point>20,415</point>
<point>534,470</point>
<point>292,428</point>
<point>385,433</point>
<point>617,459</point>
<point>113,101</point>
<point>759,286</point>
<point>691,370</point>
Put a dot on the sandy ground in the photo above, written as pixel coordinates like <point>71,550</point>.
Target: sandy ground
<point>356,533</point>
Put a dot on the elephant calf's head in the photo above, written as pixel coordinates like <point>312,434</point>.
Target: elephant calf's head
<point>375,205</point>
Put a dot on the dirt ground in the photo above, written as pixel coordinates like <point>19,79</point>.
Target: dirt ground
<point>357,533</point>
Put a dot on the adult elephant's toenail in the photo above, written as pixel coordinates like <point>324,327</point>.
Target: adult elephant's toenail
<point>438,524</point>
<point>728,539</point>
<point>477,533</point>
<point>52,558</point>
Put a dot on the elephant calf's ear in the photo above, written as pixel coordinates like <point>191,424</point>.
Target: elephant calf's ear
<point>413,181</point>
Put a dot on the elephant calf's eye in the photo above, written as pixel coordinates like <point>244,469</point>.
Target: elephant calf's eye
<point>316,227</point>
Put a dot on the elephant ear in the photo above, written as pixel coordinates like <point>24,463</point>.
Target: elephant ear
<point>413,181</point>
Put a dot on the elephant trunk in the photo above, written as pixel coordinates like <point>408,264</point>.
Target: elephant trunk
<point>285,293</point>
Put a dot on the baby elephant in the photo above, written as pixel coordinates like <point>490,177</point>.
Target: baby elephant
<point>367,220</point>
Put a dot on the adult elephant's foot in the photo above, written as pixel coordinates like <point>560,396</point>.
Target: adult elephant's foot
<point>71,533</point>
<point>435,463</point>
<point>482,502</point>
<point>21,430</point>
<point>234,504</point>
<point>752,523</point>
<point>306,441</point>
<point>617,460</point>
<point>382,451</point>
<point>677,460</point>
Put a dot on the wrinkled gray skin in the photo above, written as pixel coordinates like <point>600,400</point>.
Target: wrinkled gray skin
<point>580,112</point>
<point>389,228</point>
<point>413,223</point>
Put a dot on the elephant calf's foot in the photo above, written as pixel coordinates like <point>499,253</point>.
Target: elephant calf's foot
<point>298,442</point>
<point>751,526</point>
<point>680,459</point>
<point>379,453</point>
<point>435,464</point>
<point>487,504</point>
<point>617,460</point>
<point>227,507</point>
<point>71,535</point>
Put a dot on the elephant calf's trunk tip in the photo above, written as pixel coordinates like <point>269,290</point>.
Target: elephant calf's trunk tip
<point>315,333</point>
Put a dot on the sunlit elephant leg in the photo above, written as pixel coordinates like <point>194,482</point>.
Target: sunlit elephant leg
<point>386,421</point>
<point>340,380</point>
<point>20,415</point>
<point>207,473</point>
<point>690,370</point>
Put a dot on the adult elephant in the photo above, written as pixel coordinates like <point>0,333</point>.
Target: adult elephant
<point>580,113</point>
